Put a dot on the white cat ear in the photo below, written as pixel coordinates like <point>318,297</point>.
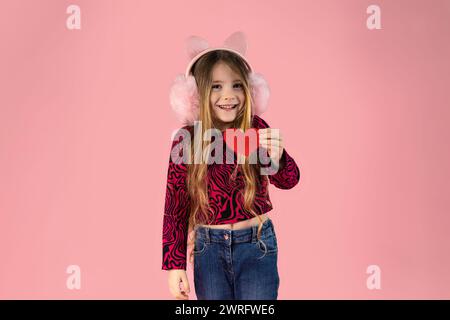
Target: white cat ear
<point>195,45</point>
<point>237,41</point>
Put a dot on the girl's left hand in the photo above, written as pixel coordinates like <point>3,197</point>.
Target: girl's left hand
<point>271,140</point>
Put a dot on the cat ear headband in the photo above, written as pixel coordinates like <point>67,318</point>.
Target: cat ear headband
<point>184,97</point>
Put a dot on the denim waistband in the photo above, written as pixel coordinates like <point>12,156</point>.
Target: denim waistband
<point>234,236</point>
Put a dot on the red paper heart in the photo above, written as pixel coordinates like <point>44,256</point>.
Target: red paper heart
<point>246,148</point>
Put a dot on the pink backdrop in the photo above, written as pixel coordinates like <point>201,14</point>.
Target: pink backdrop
<point>85,128</point>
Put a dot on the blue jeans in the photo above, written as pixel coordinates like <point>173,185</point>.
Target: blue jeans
<point>234,265</point>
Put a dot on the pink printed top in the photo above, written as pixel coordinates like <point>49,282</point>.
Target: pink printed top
<point>225,198</point>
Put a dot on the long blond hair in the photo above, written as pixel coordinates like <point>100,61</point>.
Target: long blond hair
<point>197,182</point>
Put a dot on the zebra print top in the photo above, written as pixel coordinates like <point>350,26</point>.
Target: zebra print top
<point>225,194</point>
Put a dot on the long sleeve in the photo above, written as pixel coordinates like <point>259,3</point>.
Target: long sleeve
<point>176,215</point>
<point>288,174</point>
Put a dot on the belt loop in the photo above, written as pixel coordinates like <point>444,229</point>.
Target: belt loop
<point>207,235</point>
<point>254,234</point>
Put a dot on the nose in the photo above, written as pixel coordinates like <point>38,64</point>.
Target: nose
<point>230,100</point>
<point>228,95</point>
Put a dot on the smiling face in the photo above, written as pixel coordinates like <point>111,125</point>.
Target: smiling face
<point>227,95</point>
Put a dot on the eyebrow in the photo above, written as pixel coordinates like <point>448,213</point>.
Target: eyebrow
<point>222,81</point>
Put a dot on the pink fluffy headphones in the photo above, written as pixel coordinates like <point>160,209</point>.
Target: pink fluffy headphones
<point>184,97</point>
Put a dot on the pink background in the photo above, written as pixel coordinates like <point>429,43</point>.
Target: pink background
<point>85,127</point>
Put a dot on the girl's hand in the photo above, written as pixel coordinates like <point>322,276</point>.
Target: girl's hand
<point>271,140</point>
<point>175,277</point>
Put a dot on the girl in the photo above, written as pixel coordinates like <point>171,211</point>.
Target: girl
<point>224,205</point>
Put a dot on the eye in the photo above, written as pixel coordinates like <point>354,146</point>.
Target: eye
<point>239,85</point>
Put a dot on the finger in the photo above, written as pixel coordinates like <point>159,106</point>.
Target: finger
<point>272,143</point>
<point>264,133</point>
<point>272,135</point>
<point>182,296</point>
<point>269,138</point>
<point>269,141</point>
<point>175,289</point>
<point>273,146</point>
<point>269,132</point>
<point>268,148</point>
<point>185,282</point>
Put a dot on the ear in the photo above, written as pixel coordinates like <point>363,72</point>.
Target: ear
<point>195,45</point>
<point>237,41</point>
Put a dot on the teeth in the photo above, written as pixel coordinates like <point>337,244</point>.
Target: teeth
<point>227,106</point>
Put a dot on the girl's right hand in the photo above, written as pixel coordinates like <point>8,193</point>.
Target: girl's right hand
<point>175,277</point>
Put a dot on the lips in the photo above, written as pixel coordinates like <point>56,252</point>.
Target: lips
<point>227,106</point>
